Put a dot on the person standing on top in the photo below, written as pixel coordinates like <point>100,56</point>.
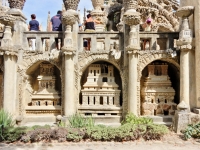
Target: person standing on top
<point>90,24</point>
<point>33,26</point>
<point>56,22</point>
<point>56,25</point>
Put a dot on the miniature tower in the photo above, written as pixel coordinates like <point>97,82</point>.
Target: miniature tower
<point>100,94</point>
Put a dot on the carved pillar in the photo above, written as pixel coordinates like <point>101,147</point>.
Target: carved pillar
<point>85,100</point>
<point>97,100</point>
<point>10,65</point>
<point>185,45</point>
<point>10,82</point>
<point>132,18</point>
<point>69,101</point>
<point>105,100</point>
<point>68,19</point>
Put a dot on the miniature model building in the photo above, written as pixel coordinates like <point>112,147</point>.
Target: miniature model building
<point>46,100</point>
<point>157,93</point>
<point>100,96</point>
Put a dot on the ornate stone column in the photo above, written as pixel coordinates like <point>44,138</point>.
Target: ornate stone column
<point>69,18</point>
<point>10,65</point>
<point>99,15</point>
<point>8,21</point>
<point>132,18</point>
<point>185,45</point>
<point>16,7</point>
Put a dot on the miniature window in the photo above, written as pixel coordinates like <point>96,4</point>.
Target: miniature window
<point>104,79</point>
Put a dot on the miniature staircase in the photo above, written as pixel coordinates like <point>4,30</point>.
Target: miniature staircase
<point>165,120</point>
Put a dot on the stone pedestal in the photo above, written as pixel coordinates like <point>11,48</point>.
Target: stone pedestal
<point>181,121</point>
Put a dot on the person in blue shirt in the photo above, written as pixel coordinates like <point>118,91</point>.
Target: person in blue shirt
<point>33,26</point>
<point>56,25</point>
<point>56,22</point>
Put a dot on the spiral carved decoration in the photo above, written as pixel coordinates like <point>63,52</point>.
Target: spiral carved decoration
<point>71,4</point>
<point>18,4</point>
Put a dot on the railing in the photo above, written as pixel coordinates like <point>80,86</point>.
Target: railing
<point>100,41</point>
<point>44,41</point>
<point>158,40</point>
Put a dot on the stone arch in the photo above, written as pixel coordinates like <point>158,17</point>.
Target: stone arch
<point>36,59</point>
<point>144,60</point>
<point>30,63</point>
<point>85,62</point>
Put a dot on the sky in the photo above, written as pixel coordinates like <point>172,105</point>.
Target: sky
<point>41,8</point>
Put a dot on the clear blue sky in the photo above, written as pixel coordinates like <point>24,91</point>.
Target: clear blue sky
<point>41,7</point>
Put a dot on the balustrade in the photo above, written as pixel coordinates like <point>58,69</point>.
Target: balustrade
<point>45,41</point>
<point>99,41</point>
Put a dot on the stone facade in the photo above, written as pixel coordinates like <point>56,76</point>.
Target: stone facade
<point>133,40</point>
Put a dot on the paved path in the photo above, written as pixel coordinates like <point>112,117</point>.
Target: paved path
<point>136,145</point>
<point>170,142</point>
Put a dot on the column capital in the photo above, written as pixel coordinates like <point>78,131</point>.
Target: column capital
<point>131,17</point>
<point>71,4</point>
<point>7,20</point>
<point>69,18</point>
<point>6,51</point>
<point>132,50</point>
<point>16,4</point>
<point>68,51</point>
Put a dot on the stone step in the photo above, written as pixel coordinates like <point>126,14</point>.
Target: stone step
<point>39,120</point>
<point>161,118</point>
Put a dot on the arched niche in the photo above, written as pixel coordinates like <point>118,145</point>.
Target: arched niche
<point>173,76</point>
<point>116,75</point>
<point>34,71</point>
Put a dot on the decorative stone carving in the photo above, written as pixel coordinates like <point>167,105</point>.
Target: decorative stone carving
<point>130,4</point>
<point>18,4</point>
<point>46,97</point>
<point>68,19</point>
<point>115,51</point>
<point>7,20</point>
<point>100,93</point>
<point>71,4</point>
<point>157,93</point>
<point>159,9</point>
<point>97,4</point>
<point>185,36</point>
<point>99,15</point>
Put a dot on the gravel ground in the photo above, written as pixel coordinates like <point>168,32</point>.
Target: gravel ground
<point>171,141</point>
